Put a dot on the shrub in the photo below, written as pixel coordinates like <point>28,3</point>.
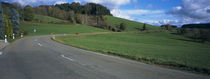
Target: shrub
<point>122,26</point>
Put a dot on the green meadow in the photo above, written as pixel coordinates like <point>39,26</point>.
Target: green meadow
<point>160,48</point>
<point>47,29</point>
<point>46,19</point>
<point>130,25</point>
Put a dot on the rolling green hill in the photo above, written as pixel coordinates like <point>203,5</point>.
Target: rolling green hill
<point>130,25</point>
<point>47,29</point>
<point>47,19</point>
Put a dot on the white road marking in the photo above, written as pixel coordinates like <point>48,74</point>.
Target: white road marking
<point>83,64</point>
<point>67,58</point>
<point>39,44</point>
<point>35,40</point>
<point>1,53</point>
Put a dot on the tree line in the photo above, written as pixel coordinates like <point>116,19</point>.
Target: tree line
<point>90,14</point>
<point>68,11</point>
<point>198,32</point>
<point>9,22</point>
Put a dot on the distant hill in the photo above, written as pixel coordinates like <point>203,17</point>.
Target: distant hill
<point>201,26</point>
<point>130,25</point>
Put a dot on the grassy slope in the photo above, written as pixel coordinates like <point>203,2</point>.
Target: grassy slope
<point>130,25</point>
<point>46,29</point>
<point>41,18</point>
<point>159,48</point>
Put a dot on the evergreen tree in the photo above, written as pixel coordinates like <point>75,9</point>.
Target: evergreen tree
<point>168,27</point>
<point>122,26</point>
<point>144,27</point>
<point>2,25</point>
<point>8,26</point>
<point>28,13</point>
<point>14,17</point>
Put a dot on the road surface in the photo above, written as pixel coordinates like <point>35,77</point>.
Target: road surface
<point>40,57</point>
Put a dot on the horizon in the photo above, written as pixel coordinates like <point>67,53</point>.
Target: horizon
<point>155,12</point>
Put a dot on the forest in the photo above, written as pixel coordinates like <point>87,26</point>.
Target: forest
<point>12,13</point>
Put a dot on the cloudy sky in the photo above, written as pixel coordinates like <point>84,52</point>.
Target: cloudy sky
<point>156,12</point>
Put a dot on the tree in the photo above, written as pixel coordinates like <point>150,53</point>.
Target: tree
<point>122,26</point>
<point>28,13</point>
<point>168,27</point>
<point>14,17</point>
<point>62,15</point>
<point>55,12</point>
<point>71,14</point>
<point>2,25</point>
<point>203,35</point>
<point>144,27</point>
<point>8,26</point>
<point>50,11</point>
<point>89,8</point>
<point>78,18</point>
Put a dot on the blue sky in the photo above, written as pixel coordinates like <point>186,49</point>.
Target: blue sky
<point>156,12</point>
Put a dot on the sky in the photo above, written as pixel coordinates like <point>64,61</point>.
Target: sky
<point>156,12</point>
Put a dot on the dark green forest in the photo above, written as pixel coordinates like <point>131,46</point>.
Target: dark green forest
<point>89,14</point>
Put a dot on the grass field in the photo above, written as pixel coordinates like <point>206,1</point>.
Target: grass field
<point>130,25</point>
<point>156,48</point>
<point>47,19</point>
<point>47,29</point>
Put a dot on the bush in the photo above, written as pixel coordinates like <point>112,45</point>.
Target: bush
<point>78,18</point>
<point>122,26</point>
<point>24,32</point>
<point>198,35</point>
<point>114,29</point>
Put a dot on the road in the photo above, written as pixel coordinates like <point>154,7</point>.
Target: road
<point>39,57</point>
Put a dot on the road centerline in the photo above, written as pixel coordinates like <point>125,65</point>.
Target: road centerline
<point>39,44</point>
<point>1,52</point>
<point>67,58</point>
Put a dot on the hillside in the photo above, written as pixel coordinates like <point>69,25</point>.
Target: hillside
<point>130,25</point>
<point>47,19</point>
<point>47,29</point>
<point>202,26</point>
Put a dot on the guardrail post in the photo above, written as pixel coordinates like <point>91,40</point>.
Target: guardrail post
<point>53,36</point>
<point>13,37</point>
<point>21,35</point>
<point>5,39</point>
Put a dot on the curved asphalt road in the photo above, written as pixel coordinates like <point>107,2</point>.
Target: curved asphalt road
<point>40,57</point>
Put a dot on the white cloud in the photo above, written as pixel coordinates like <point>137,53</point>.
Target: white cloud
<point>108,3</point>
<point>121,14</point>
<point>196,9</point>
<point>59,2</point>
<point>137,14</point>
<point>142,12</point>
<point>191,11</point>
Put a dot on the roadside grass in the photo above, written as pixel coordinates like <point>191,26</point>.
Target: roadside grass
<point>47,29</point>
<point>130,25</point>
<point>160,48</point>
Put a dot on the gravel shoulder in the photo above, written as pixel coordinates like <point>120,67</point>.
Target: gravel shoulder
<point>3,45</point>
